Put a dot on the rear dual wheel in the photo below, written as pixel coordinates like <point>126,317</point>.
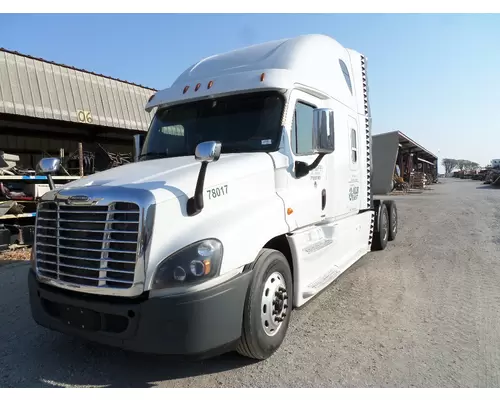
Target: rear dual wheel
<point>387,225</point>
<point>381,235</point>
<point>393,220</point>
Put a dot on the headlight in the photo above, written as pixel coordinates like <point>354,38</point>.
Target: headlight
<point>193,264</point>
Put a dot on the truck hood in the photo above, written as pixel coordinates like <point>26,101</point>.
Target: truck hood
<point>169,178</point>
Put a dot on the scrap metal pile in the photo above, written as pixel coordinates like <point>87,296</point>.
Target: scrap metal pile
<point>9,167</point>
<point>115,159</point>
<point>493,177</point>
<point>72,163</point>
<point>19,193</point>
<point>489,175</point>
<point>10,193</point>
<point>95,161</point>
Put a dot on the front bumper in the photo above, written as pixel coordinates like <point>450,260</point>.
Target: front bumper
<point>192,324</point>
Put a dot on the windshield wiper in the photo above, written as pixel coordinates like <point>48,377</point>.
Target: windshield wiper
<point>152,155</point>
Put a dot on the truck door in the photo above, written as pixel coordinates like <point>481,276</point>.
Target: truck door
<point>306,195</point>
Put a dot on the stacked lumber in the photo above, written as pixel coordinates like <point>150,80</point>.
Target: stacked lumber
<point>419,180</point>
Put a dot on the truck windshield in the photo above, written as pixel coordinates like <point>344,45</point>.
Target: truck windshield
<point>242,123</point>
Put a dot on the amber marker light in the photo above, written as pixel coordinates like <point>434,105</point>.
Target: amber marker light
<point>206,263</point>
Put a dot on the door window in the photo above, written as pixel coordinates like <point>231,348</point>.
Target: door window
<point>302,125</point>
<point>354,147</point>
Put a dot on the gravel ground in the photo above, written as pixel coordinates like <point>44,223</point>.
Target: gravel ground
<point>425,312</point>
<point>15,254</point>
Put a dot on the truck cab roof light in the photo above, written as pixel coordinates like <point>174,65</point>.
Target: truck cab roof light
<point>185,90</point>
<point>210,84</point>
<point>262,76</point>
<point>197,87</point>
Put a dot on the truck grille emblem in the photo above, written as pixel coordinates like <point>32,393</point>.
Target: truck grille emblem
<point>78,199</point>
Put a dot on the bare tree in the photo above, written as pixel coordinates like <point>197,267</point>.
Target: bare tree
<point>449,165</point>
<point>461,164</point>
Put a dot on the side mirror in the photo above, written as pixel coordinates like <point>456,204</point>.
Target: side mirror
<point>49,166</point>
<point>323,131</point>
<point>323,142</point>
<point>208,151</point>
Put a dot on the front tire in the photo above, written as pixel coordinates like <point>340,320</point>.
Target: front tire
<point>268,306</point>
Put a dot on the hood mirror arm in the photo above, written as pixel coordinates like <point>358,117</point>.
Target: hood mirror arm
<point>195,203</point>
<point>51,181</point>
<point>206,152</point>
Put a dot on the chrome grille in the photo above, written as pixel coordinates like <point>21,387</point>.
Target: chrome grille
<point>88,245</point>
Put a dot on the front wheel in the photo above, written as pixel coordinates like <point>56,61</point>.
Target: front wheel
<point>268,306</point>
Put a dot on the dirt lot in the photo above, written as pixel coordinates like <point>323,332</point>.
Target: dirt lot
<point>425,312</point>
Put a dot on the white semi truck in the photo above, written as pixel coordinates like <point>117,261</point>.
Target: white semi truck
<point>251,195</point>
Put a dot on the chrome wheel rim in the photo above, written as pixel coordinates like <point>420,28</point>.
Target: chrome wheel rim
<point>386,228</point>
<point>395,221</point>
<point>274,304</point>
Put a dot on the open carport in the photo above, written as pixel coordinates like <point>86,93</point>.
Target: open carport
<point>417,165</point>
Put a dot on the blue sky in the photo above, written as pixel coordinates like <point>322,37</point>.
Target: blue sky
<point>434,77</point>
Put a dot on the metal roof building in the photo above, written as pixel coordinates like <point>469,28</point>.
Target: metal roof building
<point>47,106</point>
<point>34,87</point>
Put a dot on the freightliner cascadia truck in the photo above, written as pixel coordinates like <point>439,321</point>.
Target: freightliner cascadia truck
<point>250,195</point>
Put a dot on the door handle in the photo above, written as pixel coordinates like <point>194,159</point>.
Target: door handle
<point>323,199</point>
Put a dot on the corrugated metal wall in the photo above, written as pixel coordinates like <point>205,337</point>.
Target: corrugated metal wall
<point>35,88</point>
<point>384,154</point>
